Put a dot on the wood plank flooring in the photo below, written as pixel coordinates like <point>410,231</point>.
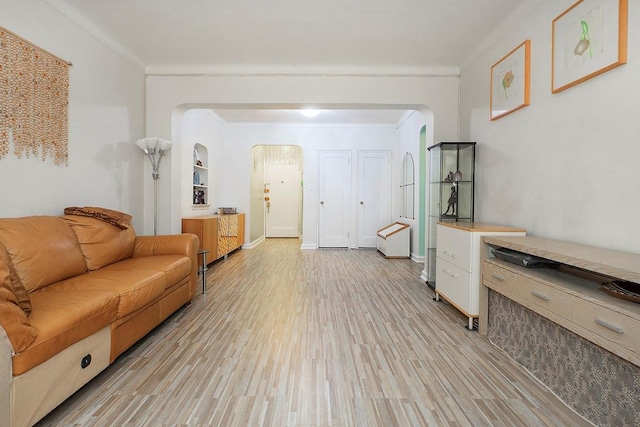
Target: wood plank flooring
<point>331,337</point>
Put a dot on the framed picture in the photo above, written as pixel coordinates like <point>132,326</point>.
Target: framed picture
<point>589,38</point>
<point>510,81</point>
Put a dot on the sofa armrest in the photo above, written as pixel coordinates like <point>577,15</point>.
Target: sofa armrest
<point>176,244</point>
<point>6,378</point>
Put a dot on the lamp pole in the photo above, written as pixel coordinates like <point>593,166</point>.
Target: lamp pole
<point>154,149</point>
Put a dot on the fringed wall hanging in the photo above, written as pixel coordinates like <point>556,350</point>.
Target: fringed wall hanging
<point>34,100</point>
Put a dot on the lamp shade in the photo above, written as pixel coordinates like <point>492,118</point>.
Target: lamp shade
<point>165,144</point>
<point>154,143</point>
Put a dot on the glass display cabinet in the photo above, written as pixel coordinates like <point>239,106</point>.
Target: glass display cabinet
<point>451,192</point>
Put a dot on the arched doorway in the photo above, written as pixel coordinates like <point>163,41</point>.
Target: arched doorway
<point>276,191</point>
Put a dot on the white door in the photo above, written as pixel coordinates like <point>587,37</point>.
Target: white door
<point>334,193</point>
<point>282,188</point>
<point>374,195</point>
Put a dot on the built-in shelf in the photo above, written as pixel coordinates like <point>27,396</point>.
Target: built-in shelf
<point>200,180</point>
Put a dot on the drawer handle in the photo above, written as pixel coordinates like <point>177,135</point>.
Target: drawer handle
<point>540,295</point>
<point>444,270</point>
<point>497,277</point>
<point>608,325</point>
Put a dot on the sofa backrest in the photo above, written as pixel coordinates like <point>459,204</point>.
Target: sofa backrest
<point>101,243</point>
<point>42,249</point>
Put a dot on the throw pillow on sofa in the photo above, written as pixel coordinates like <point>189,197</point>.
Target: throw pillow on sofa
<point>101,242</point>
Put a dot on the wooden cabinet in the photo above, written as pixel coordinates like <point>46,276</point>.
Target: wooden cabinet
<point>219,234</point>
<point>458,263</point>
<point>569,295</point>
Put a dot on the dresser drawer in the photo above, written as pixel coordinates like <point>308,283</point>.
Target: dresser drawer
<point>614,326</point>
<point>454,284</point>
<point>454,246</point>
<point>549,298</point>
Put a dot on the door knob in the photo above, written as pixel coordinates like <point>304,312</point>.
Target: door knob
<point>322,203</point>
<point>362,202</point>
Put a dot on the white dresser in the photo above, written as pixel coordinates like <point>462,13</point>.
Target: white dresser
<point>458,262</point>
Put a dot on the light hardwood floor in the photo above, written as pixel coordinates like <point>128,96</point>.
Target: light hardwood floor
<point>331,337</point>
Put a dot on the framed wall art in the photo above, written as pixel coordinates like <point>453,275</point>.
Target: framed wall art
<point>589,38</point>
<point>510,81</point>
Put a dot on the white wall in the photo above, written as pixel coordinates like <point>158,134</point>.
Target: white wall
<point>106,113</point>
<point>409,139</point>
<point>565,167</point>
<point>167,95</point>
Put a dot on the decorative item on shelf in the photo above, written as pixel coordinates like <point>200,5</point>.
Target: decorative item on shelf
<point>155,149</point>
<point>198,197</point>
<point>457,176</point>
<point>449,178</point>
<point>452,202</point>
<point>227,211</point>
<point>196,178</point>
<point>622,289</point>
<point>199,163</point>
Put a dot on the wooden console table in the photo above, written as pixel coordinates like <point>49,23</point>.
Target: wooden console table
<point>569,295</point>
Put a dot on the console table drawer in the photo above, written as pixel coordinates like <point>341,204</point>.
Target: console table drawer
<point>544,296</point>
<point>501,280</point>
<point>614,326</point>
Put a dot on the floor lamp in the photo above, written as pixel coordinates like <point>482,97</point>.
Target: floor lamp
<point>154,148</point>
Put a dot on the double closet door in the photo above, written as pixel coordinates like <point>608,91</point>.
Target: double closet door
<point>353,202</point>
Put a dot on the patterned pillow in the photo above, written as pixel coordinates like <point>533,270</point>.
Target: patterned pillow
<point>119,219</point>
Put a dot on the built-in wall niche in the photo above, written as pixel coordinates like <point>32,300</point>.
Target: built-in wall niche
<point>200,176</point>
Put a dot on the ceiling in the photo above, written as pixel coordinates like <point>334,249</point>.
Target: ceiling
<point>293,35</point>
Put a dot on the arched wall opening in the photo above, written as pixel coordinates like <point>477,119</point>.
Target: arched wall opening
<point>230,158</point>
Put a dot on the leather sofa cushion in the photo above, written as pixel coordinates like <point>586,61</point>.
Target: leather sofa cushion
<point>134,287</point>
<point>63,318</point>
<point>174,267</point>
<point>22,296</point>
<point>42,249</point>
<point>12,318</point>
<point>101,243</point>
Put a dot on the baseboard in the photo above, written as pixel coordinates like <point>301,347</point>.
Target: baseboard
<point>253,244</point>
<point>308,246</point>
<point>423,275</point>
<point>417,258</point>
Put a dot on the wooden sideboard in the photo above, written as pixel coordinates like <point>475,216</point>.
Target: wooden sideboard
<point>219,234</point>
<point>570,294</point>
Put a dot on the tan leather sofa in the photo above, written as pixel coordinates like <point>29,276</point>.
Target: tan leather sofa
<point>75,293</point>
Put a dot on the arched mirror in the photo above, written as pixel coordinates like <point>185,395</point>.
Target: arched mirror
<point>407,186</point>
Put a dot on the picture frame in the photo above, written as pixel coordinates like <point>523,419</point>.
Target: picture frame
<point>588,39</point>
<point>511,82</point>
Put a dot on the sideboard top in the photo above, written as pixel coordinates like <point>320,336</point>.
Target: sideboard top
<point>616,264</point>
<point>480,227</point>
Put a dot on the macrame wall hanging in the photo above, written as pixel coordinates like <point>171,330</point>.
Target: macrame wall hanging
<point>34,100</point>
